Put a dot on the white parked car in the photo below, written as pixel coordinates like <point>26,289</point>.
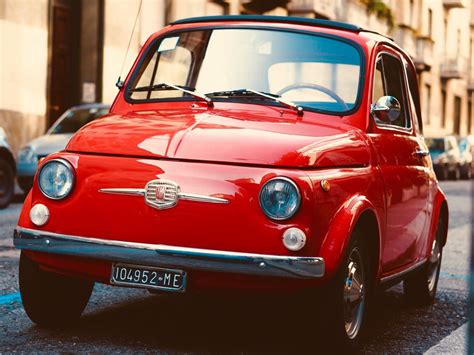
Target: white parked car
<point>55,139</point>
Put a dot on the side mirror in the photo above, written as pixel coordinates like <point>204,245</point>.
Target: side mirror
<point>386,109</point>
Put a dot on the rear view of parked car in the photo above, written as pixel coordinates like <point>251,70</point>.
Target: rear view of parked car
<point>7,171</point>
<point>446,157</point>
<point>466,148</point>
<point>54,140</point>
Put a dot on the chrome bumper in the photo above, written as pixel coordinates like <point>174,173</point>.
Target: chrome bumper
<point>169,256</point>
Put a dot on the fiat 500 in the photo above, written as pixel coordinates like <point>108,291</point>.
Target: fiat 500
<point>269,154</point>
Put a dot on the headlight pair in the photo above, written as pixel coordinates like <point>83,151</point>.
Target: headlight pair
<point>56,179</point>
<point>280,198</point>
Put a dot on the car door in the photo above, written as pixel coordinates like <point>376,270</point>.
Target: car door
<point>403,162</point>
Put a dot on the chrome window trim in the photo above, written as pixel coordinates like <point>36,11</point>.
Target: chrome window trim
<point>383,126</point>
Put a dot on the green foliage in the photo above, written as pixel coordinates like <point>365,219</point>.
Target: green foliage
<point>381,10</point>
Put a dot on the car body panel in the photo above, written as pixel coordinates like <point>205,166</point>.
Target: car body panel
<point>229,150</point>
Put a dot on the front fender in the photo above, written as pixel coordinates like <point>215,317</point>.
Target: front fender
<point>342,225</point>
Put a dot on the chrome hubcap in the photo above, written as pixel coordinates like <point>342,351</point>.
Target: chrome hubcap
<point>354,294</point>
<point>434,263</point>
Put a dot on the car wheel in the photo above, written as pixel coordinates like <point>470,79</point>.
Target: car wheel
<point>442,173</point>
<point>50,299</point>
<point>348,294</point>
<point>7,183</point>
<point>420,287</point>
<point>456,174</point>
<point>466,171</point>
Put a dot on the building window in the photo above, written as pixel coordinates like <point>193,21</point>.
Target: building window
<point>427,103</point>
<point>443,108</point>
<point>430,23</point>
<point>457,115</point>
<point>469,116</point>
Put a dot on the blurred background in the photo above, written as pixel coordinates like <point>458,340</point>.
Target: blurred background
<point>60,53</point>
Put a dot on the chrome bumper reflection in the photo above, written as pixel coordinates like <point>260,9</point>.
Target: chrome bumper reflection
<point>169,256</point>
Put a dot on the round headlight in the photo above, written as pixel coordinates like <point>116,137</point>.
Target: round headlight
<point>280,198</point>
<point>56,179</point>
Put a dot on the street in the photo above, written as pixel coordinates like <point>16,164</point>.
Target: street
<point>126,320</point>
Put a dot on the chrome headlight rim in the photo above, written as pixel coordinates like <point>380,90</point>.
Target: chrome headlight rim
<point>298,196</point>
<point>69,167</point>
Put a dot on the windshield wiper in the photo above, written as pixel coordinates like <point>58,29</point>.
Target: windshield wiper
<point>164,86</point>
<point>251,92</point>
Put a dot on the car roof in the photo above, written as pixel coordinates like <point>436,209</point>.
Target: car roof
<point>285,19</point>
<point>88,106</point>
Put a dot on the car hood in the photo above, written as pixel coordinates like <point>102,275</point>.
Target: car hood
<point>259,137</point>
<point>49,143</point>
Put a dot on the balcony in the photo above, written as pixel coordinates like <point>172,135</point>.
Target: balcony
<point>453,68</point>
<point>405,37</point>
<point>323,8</point>
<point>424,54</point>
<point>452,4</point>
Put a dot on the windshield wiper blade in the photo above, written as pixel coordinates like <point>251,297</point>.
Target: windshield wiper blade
<point>250,92</point>
<point>164,86</point>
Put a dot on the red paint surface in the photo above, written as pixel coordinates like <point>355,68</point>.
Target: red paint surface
<point>229,151</point>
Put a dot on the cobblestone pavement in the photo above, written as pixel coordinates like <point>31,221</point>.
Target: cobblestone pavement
<point>126,320</point>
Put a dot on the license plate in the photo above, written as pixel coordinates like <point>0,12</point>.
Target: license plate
<point>148,277</point>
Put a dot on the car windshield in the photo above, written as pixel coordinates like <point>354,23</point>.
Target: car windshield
<point>312,71</point>
<point>435,144</point>
<point>74,119</point>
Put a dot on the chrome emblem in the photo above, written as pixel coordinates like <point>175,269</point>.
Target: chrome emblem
<point>161,194</point>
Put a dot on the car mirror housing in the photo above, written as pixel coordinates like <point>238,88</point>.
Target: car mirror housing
<point>386,109</point>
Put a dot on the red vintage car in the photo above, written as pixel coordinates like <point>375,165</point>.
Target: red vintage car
<point>270,154</point>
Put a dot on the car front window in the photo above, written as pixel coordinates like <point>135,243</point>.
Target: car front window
<point>312,71</point>
<point>74,119</point>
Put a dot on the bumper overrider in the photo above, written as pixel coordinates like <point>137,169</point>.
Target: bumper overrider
<point>169,256</point>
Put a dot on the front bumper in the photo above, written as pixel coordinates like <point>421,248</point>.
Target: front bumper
<point>169,256</point>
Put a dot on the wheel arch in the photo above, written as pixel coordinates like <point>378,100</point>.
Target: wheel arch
<point>357,213</point>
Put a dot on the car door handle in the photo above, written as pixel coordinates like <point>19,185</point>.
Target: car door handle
<point>421,153</point>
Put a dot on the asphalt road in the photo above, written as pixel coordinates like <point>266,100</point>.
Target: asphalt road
<point>127,320</point>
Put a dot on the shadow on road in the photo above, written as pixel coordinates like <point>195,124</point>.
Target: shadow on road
<point>226,324</point>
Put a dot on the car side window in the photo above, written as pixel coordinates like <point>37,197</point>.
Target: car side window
<point>414,98</point>
<point>389,81</point>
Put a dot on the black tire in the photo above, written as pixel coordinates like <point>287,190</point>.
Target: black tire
<point>420,287</point>
<point>7,183</point>
<point>50,299</point>
<point>442,173</point>
<point>466,172</point>
<point>456,174</point>
<point>344,322</point>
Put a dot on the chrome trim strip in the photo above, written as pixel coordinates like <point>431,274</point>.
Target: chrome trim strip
<point>403,272</point>
<point>201,198</point>
<point>124,191</point>
<point>169,256</point>
<point>181,195</point>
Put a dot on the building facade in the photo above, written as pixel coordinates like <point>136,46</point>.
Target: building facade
<point>59,53</point>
